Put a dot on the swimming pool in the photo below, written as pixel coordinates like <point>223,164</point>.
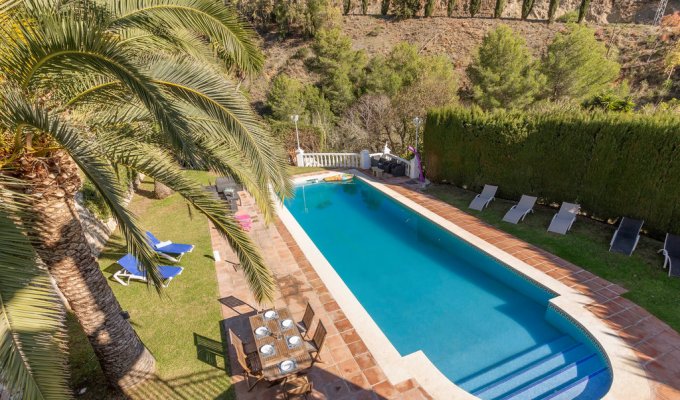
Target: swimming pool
<point>484,326</point>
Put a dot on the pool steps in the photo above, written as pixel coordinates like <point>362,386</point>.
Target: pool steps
<point>559,370</point>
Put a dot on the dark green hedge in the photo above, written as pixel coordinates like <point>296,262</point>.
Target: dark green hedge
<point>612,164</point>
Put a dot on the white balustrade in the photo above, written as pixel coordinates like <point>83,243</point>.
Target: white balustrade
<point>350,160</point>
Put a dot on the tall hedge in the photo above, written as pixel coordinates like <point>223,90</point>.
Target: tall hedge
<point>612,164</point>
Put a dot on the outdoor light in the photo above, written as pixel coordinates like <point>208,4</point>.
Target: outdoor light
<point>295,119</point>
<point>417,121</point>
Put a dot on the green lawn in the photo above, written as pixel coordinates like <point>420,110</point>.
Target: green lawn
<point>167,324</point>
<point>587,245</point>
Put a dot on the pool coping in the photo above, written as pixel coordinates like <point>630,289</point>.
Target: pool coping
<point>628,378</point>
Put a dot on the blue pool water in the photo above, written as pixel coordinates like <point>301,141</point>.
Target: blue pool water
<point>487,329</point>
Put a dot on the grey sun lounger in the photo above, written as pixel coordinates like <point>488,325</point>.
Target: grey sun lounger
<point>483,199</point>
<point>520,210</point>
<point>671,253</point>
<point>626,236</point>
<point>564,219</point>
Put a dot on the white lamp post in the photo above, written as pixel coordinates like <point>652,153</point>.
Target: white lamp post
<point>417,121</point>
<point>295,119</point>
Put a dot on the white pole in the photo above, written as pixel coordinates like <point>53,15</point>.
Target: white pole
<point>417,121</point>
<point>295,118</point>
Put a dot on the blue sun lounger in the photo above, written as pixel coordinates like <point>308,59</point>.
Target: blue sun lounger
<point>131,270</point>
<point>169,250</point>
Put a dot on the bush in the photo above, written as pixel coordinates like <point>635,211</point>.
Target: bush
<point>577,66</point>
<point>503,72</point>
<point>569,18</point>
<point>429,8</point>
<point>384,7</point>
<point>609,102</point>
<point>405,8</point>
<point>612,164</point>
<point>450,7</point>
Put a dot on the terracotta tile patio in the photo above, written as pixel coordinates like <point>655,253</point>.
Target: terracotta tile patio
<point>349,370</point>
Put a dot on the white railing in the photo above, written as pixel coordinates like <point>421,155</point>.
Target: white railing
<point>351,160</point>
<point>331,160</point>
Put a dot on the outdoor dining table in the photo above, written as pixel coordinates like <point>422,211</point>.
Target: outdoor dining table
<point>278,337</point>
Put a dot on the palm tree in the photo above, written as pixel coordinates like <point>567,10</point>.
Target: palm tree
<point>83,85</point>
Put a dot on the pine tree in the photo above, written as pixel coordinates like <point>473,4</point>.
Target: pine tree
<point>429,8</point>
<point>552,9</point>
<point>384,7</point>
<point>347,6</point>
<point>527,6</point>
<point>498,11</point>
<point>364,7</point>
<point>450,7</point>
<point>583,10</point>
<point>577,66</point>
<point>474,7</point>
<point>503,72</point>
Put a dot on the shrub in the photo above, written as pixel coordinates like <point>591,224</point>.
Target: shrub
<point>405,8</point>
<point>609,102</point>
<point>576,65</point>
<point>429,8</point>
<point>612,164</point>
<point>498,10</point>
<point>552,9</point>
<point>568,18</point>
<point>450,7</point>
<point>527,6</point>
<point>503,72</point>
<point>474,7</point>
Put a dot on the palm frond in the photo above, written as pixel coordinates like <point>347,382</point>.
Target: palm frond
<point>17,112</point>
<point>210,18</point>
<point>158,165</point>
<point>32,333</point>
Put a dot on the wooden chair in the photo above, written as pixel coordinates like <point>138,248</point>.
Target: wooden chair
<point>297,387</point>
<point>248,361</point>
<point>314,345</point>
<point>306,322</point>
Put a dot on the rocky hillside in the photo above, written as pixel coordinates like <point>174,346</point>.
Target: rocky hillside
<point>639,48</point>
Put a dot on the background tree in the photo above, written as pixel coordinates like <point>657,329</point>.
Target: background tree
<point>503,72</point>
<point>577,66</point>
<point>405,8</point>
<point>347,6</point>
<point>384,7</point>
<point>553,6</point>
<point>498,10</point>
<point>474,7</point>
<point>118,72</point>
<point>429,8</point>
<point>364,7</point>
<point>527,6</point>
<point>583,10</point>
<point>450,7</point>
<point>339,66</point>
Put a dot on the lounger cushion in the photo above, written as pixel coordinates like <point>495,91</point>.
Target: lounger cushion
<point>624,243</point>
<point>399,170</point>
<point>172,248</point>
<point>561,222</point>
<point>132,265</point>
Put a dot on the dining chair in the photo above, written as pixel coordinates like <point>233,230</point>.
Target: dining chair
<point>248,361</point>
<point>306,322</point>
<point>296,387</point>
<point>314,345</point>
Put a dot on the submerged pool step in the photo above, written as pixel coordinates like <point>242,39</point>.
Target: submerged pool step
<point>550,384</point>
<point>533,373</point>
<point>591,387</point>
<point>513,364</point>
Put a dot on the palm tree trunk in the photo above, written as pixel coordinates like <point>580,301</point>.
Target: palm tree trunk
<point>62,245</point>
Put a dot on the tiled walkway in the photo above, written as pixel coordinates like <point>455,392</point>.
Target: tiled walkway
<point>349,371</point>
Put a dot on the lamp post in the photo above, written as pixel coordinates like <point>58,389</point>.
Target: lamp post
<point>417,121</point>
<point>295,119</point>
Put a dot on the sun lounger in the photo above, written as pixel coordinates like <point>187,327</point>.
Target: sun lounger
<point>671,253</point>
<point>517,212</point>
<point>483,199</point>
<point>626,237</point>
<point>564,219</point>
<point>131,270</point>
<point>169,250</point>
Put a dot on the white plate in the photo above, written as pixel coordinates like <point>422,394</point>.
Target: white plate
<point>294,340</point>
<point>261,331</point>
<point>287,365</point>
<point>270,314</point>
<point>267,349</point>
<point>287,323</point>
